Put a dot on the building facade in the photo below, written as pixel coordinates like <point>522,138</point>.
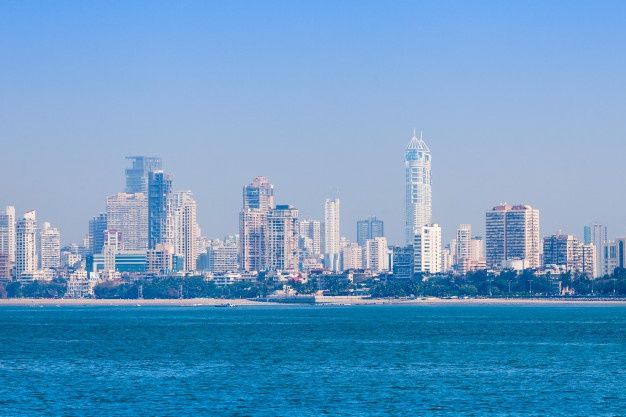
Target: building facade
<point>160,223</point>
<point>95,236</point>
<point>283,239</point>
<point>185,228</point>
<point>137,174</point>
<point>26,261</point>
<point>369,229</point>
<point>128,215</point>
<point>418,187</point>
<point>512,234</point>
<point>427,250</point>
<point>597,234</point>
<point>258,200</point>
<point>49,247</point>
<point>332,234</point>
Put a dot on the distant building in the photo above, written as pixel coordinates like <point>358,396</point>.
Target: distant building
<point>160,260</point>
<point>49,247</point>
<point>418,187</point>
<point>258,200</point>
<point>222,256</point>
<point>128,215</point>
<point>283,238</point>
<point>597,235</point>
<point>185,228</point>
<point>97,226</point>
<point>310,234</point>
<point>513,234</point>
<point>332,234</point>
<point>137,174</point>
<point>369,229</point>
<point>376,255</point>
<point>427,250</point>
<point>26,261</point>
<point>402,262</point>
<point>160,227</point>
<point>351,257</point>
<point>613,255</point>
<point>463,243</point>
<point>8,234</point>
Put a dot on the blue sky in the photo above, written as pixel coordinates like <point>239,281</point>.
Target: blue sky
<point>519,101</point>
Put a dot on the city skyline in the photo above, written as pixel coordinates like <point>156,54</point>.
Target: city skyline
<point>489,105</point>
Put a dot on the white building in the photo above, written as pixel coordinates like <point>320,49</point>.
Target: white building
<point>418,187</point>
<point>49,247</point>
<point>128,215</point>
<point>597,235</point>
<point>463,243</point>
<point>376,255</point>
<point>7,233</point>
<point>351,257</point>
<point>26,245</point>
<point>310,232</point>
<point>258,200</point>
<point>513,234</point>
<point>332,234</point>
<point>427,250</point>
<point>283,239</point>
<point>185,228</point>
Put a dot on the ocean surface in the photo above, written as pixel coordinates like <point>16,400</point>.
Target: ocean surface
<point>313,361</point>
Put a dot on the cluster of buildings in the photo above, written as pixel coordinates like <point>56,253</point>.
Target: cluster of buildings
<point>151,229</point>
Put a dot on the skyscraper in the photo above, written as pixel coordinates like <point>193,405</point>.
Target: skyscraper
<point>418,187</point>
<point>376,255</point>
<point>128,215</point>
<point>258,200</point>
<point>160,228</point>
<point>26,244</point>
<point>463,243</point>
<point>597,235</point>
<point>427,250</point>
<point>49,247</point>
<point>310,231</point>
<point>7,233</point>
<point>513,234</point>
<point>185,228</point>
<point>332,234</point>
<point>137,174</point>
<point>369,229</point>
<point>97,226</point>
<point>283,238</point>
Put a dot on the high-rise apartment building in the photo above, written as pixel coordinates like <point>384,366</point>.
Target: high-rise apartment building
<point>418,187</point>
<point>283,238</point>
<point>26,261</point>
<point>369,229</point>
<point>613,255</point>
<point>95,237</point>
<point>8,233</point>
<point>597,235</point>
<point>310,232</point>
<point>351,257</point>
<point>564,251</point>
<point>160,223</point>
<point>427,250</point>
<point>258,200</point>
<point>183,208</point>
<point>137,174</point>
<point>513,234</point>
<point>376,255</point>
<point>49,247</point>
<point>222,256</point>
<point>332,234</point>
<point>127,214</point>
<point>463,243</point>
<point>402,262</point>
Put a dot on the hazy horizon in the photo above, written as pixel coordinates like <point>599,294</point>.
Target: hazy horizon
<point>519,102</point>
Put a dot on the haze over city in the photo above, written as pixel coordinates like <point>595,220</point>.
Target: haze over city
<point>520,103</point>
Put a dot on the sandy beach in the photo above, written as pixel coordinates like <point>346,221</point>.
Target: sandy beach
<point>320,300</point>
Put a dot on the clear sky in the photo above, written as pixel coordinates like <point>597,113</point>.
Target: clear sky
<point>519,101</point>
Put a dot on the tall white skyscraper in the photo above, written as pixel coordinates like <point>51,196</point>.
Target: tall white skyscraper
<point>49,247</point>
<point>7,233</point>
<point>332,234</point>
<point>185,228</point>
<point>513,234</point>
<point>427,249</point>
<point>26,244</point>
<point>418,187</point>
<point>128,215</point>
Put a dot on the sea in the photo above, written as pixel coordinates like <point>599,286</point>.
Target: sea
<point>459,360</point>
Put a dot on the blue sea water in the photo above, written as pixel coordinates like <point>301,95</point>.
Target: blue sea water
<point>313,361</point>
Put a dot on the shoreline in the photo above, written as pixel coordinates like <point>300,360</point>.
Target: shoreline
<point>319,301</point>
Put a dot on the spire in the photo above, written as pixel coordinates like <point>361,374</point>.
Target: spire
<point>414,133</point>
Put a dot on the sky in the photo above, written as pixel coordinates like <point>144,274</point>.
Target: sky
<point>519,101</point>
